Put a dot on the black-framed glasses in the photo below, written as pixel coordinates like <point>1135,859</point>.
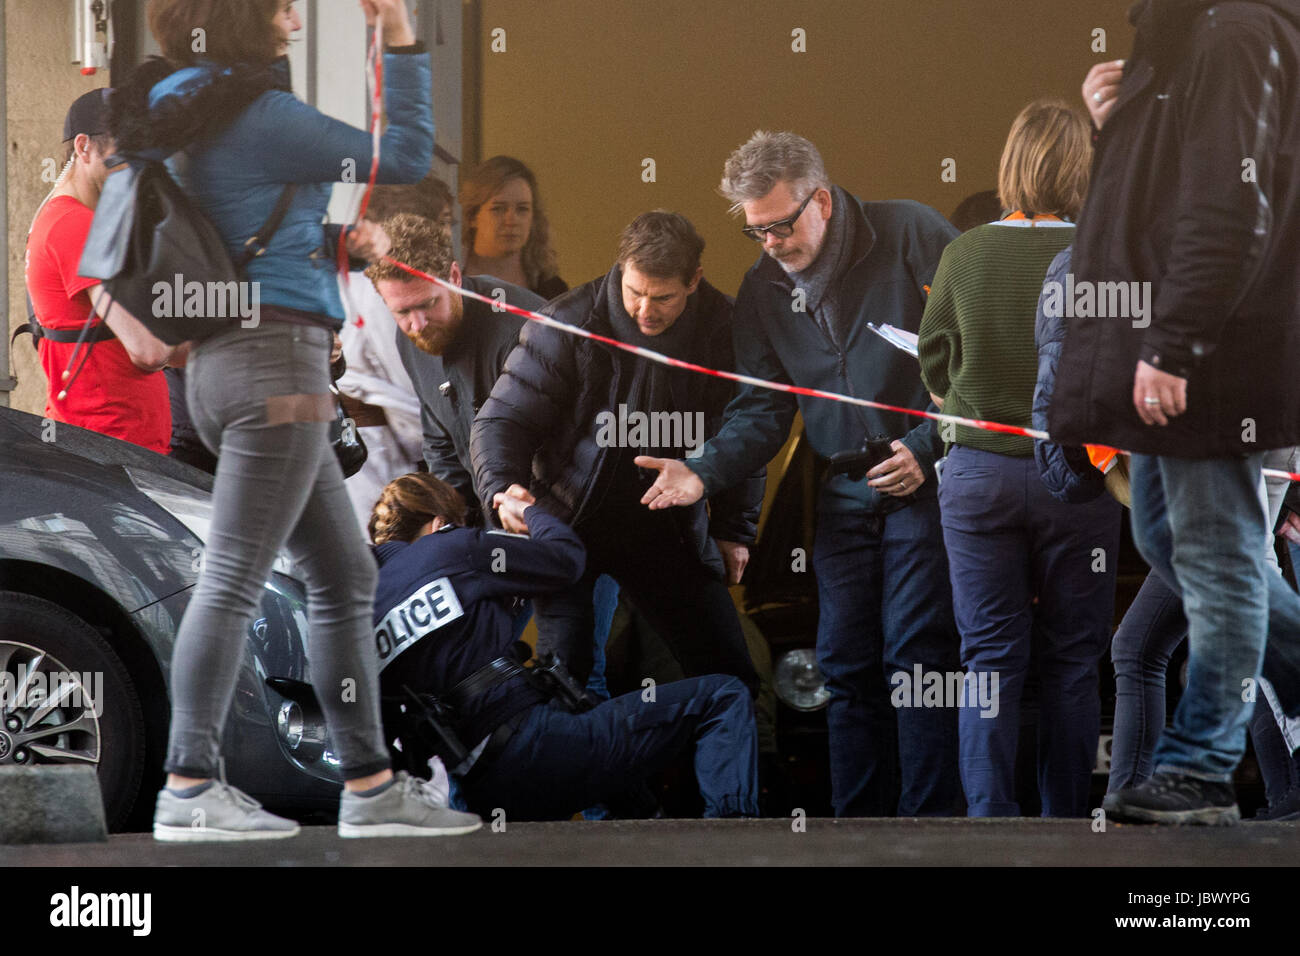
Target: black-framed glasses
<point>782,228</point>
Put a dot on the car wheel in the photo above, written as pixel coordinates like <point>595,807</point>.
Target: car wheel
<point>66,698</point>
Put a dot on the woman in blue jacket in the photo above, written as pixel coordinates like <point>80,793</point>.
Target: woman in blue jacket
<point>259,395</point>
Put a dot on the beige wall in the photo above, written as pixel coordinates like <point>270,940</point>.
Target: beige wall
<point>887,89</point>
<point>40,85</point>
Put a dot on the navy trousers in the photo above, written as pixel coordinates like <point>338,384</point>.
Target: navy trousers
<point>558,763</point>
<point>1028,571</point>
<point>884,607</point>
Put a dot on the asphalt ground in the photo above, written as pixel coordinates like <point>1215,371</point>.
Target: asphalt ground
<point>1018,842</point>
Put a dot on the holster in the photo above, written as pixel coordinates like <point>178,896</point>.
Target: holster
<point>430,721</point>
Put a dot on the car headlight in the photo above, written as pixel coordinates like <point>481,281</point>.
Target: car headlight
<point>798,680</point>
<point>289,723</point>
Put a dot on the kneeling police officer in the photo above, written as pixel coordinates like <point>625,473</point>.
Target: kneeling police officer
<point>521,735</point>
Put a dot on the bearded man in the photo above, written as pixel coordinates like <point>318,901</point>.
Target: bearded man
<point>452,348</point>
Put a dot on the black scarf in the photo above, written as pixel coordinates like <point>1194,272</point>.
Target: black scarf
<point>835,257</point>
<point>649,387</point>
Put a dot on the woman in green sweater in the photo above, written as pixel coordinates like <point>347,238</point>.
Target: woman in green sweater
<point>1027,570</point>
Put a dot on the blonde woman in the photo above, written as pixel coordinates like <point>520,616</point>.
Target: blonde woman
<point>506,232</point>
<point>1027,570</point>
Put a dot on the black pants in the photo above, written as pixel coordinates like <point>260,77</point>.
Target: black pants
<point>660,573</point>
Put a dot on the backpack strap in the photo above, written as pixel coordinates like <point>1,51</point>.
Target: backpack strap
<point>257,243</point>
<point>101,332</point>
<point>32,327</point>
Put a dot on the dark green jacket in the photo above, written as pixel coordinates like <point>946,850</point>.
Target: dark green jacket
<point>897,246</point>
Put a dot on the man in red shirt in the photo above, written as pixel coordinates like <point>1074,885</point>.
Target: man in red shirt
<point>113,382</point>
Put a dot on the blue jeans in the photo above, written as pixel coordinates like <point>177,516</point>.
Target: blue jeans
<point>1151,631</point>
<point>1010,543</point>
<point>885,606</point>
<point>557,762</point>
<point>1202,525</point>
<point>604,598</point>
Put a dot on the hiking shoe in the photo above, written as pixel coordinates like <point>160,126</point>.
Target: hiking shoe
<point>407,808</point>
<point>1175,798</point>
<point>220,814</point>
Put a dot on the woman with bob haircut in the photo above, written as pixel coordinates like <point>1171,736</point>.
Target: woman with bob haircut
<point>506,232</point>
<point>1027,570</point>
<point>220,103</point>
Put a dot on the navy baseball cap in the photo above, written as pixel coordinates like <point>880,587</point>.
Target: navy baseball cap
<point>88,114</point>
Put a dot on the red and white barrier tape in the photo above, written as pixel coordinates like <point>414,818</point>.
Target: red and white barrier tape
<point>668,360</point>
<point>374,71</point>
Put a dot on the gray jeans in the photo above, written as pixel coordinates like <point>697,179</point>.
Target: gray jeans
<point>259,400</point>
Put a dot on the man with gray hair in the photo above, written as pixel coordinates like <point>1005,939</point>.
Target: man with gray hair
<point>832,264</point>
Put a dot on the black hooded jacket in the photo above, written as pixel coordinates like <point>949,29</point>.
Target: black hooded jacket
<point>542,417</point>
<point>1195,190</point>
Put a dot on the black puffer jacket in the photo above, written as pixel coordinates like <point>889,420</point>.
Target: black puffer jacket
<point>541,419</point>
<point>1065,469</point>
<point>1196,190</point>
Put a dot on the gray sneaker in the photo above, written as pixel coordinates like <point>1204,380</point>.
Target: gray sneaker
<point>220,814</point>
<point>407,808</point>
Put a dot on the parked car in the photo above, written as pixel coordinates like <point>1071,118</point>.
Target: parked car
<point>101,542</point>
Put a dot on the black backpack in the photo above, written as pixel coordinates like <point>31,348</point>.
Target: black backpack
<point>147,232</point>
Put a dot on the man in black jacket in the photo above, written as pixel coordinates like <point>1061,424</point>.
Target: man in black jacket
<point>1195,205</point>
<point>830,265</point>
<point>453,348</point>
<point>568,416</point>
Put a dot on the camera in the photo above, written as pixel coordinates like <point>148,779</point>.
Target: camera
<point>856,464</point>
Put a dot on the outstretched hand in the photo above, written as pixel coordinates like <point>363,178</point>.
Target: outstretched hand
<point>676,485</point>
